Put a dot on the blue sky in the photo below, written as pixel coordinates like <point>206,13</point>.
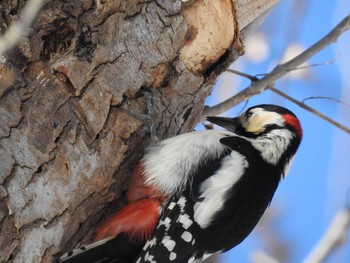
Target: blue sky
<point>319,182</point>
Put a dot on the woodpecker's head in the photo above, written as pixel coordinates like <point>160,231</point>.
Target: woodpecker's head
<point>259,120</point>
<point>266,124</point>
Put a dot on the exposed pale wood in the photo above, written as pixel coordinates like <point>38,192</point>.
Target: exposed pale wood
<point>211,32</point>
<point>248,10</point>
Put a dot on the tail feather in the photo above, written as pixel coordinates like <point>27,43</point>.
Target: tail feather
<point>117,250</point>
<point>121,238</point>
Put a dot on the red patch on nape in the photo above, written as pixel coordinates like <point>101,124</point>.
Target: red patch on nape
<point>294,122</point>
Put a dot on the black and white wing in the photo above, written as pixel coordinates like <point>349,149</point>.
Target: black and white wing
<point>184,231</point>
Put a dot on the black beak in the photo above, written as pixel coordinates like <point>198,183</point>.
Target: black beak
<point>228,123</point>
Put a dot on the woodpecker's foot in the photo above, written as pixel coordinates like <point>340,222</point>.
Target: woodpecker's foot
<point>148,118</point>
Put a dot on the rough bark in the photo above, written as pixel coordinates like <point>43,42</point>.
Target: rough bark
<point>66,147</point>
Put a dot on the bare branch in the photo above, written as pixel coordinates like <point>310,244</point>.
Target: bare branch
<point>279,71</point>
<point>20,27</point>
<point>333,238</point>
<point>300,104</point>
<point>312,110</point>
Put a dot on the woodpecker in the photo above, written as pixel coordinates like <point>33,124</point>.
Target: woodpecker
<point>199,193</point>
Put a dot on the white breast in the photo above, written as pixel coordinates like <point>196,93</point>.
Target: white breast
<point>171,163</point>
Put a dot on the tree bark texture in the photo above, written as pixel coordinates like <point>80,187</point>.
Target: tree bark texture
<point>66,145</point>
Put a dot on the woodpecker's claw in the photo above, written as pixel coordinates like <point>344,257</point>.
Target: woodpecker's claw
<point>149,117</point>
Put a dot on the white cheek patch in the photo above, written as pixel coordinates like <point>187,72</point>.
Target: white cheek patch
<point>261,118</point>
<point>214,189</point>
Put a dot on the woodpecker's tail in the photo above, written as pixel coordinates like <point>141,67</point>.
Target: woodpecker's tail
<point>120,238</point>
<point>114,249</point>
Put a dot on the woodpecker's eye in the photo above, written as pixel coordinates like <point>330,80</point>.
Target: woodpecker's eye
<point>248,115</point>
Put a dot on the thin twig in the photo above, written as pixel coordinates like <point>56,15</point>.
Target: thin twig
<point>333,238</point>
<point>242,74</point>
<point>279,71</point>
<point>20,27</point>
<point>330,62</point>
<point>312,110</point>
<point>244,107</point>
<point>326,98</point>
<point>301,67</point>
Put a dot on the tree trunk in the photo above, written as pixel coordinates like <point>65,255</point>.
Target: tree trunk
<point>66,145</point>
